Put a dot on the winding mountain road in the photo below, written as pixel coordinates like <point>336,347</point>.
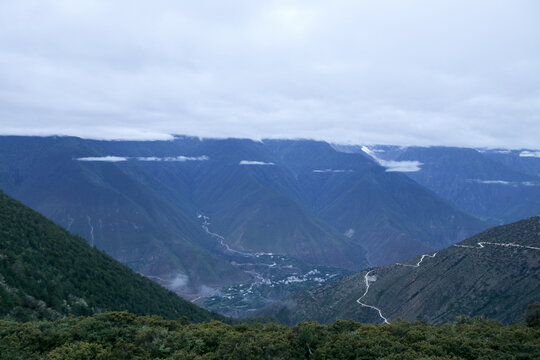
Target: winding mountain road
<point>367,280</point>
<point>479,245</point>
<point>482,243</point>
<point>418,263</point>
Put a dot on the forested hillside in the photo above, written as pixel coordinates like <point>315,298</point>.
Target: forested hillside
<point>495,274</point>
<point>125,336</point>
<point>47,273</point>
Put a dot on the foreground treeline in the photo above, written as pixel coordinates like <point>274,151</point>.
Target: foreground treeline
<point>121,335</point>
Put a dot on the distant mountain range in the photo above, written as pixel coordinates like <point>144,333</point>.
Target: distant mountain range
<point>498,186</point>
<point>184,212</point>
<point>495,274</point>
<point>48,273</point>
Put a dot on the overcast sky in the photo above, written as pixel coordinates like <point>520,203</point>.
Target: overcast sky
<point>404,72</point>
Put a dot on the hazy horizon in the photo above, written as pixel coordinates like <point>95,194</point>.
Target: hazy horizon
<point>172,137</point>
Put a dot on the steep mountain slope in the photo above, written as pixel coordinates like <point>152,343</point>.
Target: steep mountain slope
<point>46,272</point>
<point>252,205</point>
<point>392,217</point>
<point>523,161</point>
<point>495,274</point>
<point>191,213</point>
<point>117,206</point>
<point>147,211</point>
<point>475,182</point>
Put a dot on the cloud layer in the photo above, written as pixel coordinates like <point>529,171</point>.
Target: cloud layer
<point>331,171</point>
<point>112,158</point>
<point>505,182</point>
<point>250,162</point>
<point>400,166</point>
<point>392,165</point>
<point>108,158</point>
<point>180,158</point>
<point>414,72</point>
<point>530,154</point>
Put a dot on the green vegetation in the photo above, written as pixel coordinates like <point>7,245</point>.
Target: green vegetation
<point>47,273</point>
<point>493,281</point>
<point>533,315</point>
<point>121,335</point>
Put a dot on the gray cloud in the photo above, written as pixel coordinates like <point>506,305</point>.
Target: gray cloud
<point>530,154</point>
<point>180,158</point>
<point>113,158</point>
<point>108,158</point>
<point>249,162</point>
<point>331,171</point>
<point>504,182</point>
<point>394,166</point>
<point>179,282</point>
<point>400,166</point>
<point>390,72</point>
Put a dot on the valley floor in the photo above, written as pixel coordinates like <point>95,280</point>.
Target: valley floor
<point>273,277</point>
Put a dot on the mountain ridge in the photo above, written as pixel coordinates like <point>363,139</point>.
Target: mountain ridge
<point>47,273</point>
<point>494,185</point>
<point>139,202</point>
<point>493,274</point>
